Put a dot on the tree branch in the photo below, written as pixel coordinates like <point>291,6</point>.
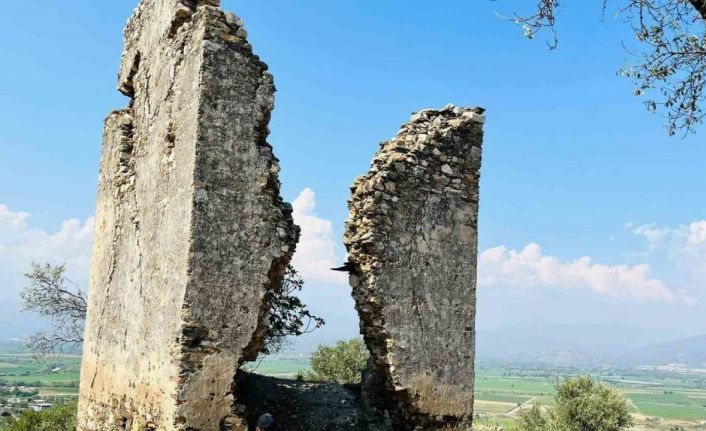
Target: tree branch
<point>670,66</point>
<point>700,6</point>
<point>48,296</point>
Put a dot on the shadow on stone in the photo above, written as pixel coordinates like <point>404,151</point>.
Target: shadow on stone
<point>304,406</point>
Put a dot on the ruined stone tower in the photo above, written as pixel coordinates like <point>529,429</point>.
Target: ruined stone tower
<point>191,231</point>
<point>412,242</point>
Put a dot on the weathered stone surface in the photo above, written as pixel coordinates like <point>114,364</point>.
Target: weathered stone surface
<point>412,242</point>
<point>191,231</point>
<point>306,406</point>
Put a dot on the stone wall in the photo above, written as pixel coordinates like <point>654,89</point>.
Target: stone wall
<point>412,242</point>
<point>191,231</point>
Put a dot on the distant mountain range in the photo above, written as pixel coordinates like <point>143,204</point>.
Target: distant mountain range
<point>590,346</point>
<point>580,346</point>
<point>688,351</point>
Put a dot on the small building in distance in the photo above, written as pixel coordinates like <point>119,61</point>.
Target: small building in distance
<point>40,405</point>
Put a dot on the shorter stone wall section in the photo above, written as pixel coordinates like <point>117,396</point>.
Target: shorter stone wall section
<point>412,242</point>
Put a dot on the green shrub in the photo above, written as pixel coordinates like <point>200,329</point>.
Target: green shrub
<point>59,418</point>
<point>342,363</point>
<point>586,405</point>
<point>533,420</point>
<point>582,404</point>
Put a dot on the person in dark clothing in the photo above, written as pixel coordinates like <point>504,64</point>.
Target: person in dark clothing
<point>266,423</point>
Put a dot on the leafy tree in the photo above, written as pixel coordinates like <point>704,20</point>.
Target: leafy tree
<point>55,297</point>
<point>533,420</point>
<point>670,66</point>
<point>582,404</point>
<point>288,315</point>
<point>59,418</point>
<point>342,363</point>
<point>51,295</point>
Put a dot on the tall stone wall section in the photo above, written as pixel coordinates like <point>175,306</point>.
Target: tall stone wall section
<point>191,231</point>
<point>412,243</point>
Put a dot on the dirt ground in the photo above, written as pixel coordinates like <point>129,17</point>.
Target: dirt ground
<point>645,423</point>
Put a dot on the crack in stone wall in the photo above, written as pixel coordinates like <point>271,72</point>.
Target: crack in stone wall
<point>191,231</point>
<point>412,243</point>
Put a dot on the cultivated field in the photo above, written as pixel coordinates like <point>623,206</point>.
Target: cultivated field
<point>25,378</point>
<point>660,402</point>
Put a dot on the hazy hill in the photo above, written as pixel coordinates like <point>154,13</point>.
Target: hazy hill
<point>582,345</point>
<point>590,346</point>
<point>689,351</point>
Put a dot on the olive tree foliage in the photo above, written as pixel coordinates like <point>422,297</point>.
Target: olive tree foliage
<point>533,419</point>
<point>58,418</point>
<point>288,315</point>
<point>582,404</point>
<point>342,363</point>
<point>669,65</point>
<point>53,296</point>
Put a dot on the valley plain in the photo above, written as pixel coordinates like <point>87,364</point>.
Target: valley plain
<point>661,398</point>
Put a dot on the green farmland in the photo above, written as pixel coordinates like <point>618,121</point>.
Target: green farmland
<point>55,378</point>
<point>658,402</point>
<point>285,368</point>
<point>501,392</point>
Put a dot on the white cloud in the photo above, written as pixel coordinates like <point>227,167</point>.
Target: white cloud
<point>499,266</point>
<point>21,244</point>
<point>316,251</point>
<point>684,247</point>
<point>697,234</point>
<point>685,236</point>
<point>12,220</point>
<point>530,268</point>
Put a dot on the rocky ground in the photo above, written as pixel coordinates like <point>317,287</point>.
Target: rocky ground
<point>303,406</point>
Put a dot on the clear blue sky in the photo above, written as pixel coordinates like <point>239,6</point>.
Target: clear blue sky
<point>570,155</point>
